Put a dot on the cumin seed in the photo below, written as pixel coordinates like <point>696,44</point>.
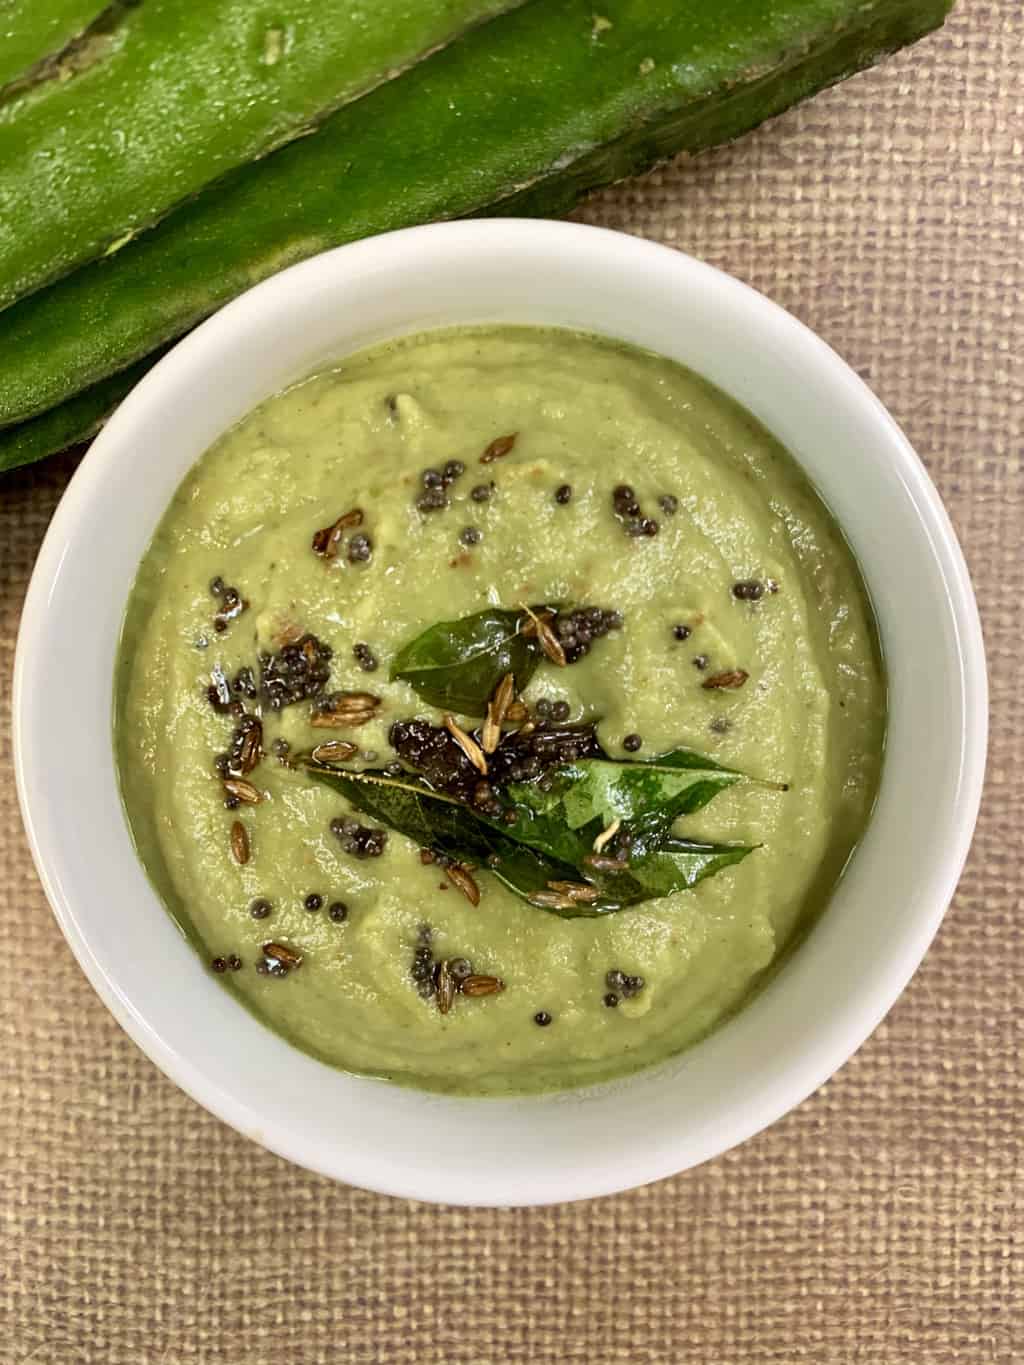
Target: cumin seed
<point>551,900</point>
<point>729,680</point>
<point>550,644</point>
<point>334,751</point>
<point>460,877</point>
<point>466,743</point>
<point>500,446</point>
<point>239,843</point>
<point>600,864</point>
<point>497,710</point>
<point>445,987</point>
<point>243,791</point>
<point>344,710</point>
<point>251,748</point>
<point>503,695</point>
<point>481,985</point>
<point>539,626</point>
<point>576,891</point>
<point>490,734</point>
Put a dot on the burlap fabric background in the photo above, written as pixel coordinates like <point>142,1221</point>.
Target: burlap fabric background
<point>880,1223</point>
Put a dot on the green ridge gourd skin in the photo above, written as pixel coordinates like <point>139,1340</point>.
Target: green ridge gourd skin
<point>69,423</point>
<point>33,30</point>
<point>483,127</point>
<point>176,94</point>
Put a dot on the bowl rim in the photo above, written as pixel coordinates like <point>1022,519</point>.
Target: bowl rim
<point>100,465</point>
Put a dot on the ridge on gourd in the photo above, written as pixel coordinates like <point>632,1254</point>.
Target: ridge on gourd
<point>458,135</point>
<point>172,96</point>
<point>33,33</point>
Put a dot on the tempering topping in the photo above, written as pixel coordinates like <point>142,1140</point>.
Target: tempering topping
<point>361,841</point>
<point>297,671</point>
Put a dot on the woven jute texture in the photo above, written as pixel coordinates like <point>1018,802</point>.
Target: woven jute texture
<point>879,1224</point>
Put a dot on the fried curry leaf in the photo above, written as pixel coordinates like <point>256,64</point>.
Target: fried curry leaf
<point>543,845</point>
<point>456,665</point>
<point>588,796</point>
<point>439,822</point>
<point>678,865</point>
<point>647,797</point>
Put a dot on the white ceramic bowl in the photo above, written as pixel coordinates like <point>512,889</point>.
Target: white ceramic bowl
<point>833,990</point>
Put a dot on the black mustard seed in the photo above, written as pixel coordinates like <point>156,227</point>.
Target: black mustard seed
<point>365,657</point>
<point>749,590</point>
<point>432,500</point>
<point>624,501</point>
<point>298,670</point>
<point>360,548</point>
